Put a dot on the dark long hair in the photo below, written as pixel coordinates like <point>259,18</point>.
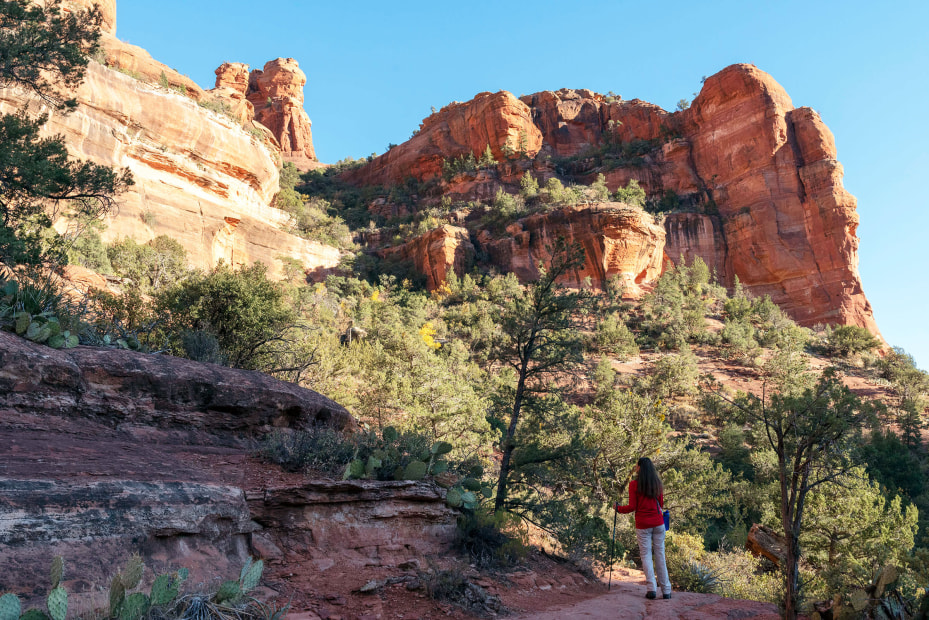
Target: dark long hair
<point>649,482</point>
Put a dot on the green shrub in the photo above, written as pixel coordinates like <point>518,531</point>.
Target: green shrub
<point>632,194</point>
<point>151,266</point>
<point>612,336</point>
<point>846,340</point>
<point>480,535</point>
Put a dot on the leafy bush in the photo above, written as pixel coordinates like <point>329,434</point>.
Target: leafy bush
<point>151,266</point>
<point>480,534</point>
<point>846,340</point>
<point>612,336</point>
<point>632,194</point>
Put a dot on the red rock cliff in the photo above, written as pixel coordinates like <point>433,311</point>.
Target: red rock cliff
<point>758,179</point>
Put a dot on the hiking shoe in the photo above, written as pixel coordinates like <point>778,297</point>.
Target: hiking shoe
<point>666,596</point>
<point>649,595</point>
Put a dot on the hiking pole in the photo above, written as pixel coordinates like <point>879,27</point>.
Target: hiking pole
<point>612,544</point>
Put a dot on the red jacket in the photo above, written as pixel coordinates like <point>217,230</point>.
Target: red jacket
<point>647,513</point>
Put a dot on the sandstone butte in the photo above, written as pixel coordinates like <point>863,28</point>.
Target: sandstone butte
<point>762,176</point>
<point>202,178</point>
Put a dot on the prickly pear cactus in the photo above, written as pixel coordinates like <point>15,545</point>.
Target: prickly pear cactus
<point>390,434</point>
<point>440,448</point>
<point>453,498</point>
<point>117,595</point>
<point>228,592</point>
<point>372,466</point>
<point>132,575</point>
<point>34,614</point>
<point>134,607</point>
<point>355,469</point>
<point>471,484</point>
<point>58,571</point>
<point>57,603</point>
<point>416,470</point>
<point>476,472</point>
<point>439,467</point>
<point>468,500</point>
<point>10,607</point>
<point>164,590</point>
<point>250,577</point>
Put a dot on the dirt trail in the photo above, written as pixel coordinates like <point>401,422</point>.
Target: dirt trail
<point>627,600</point>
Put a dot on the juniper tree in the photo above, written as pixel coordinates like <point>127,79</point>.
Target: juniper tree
<point>538,338</point>
<point>46,51</point>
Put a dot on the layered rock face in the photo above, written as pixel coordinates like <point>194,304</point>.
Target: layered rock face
<point>276,92</point>
<point>108,453</point>
<point>618,241</point>
<point>200,177</point>
<point>757,179</point>
<point>438,253</point>
<point>499,120</point>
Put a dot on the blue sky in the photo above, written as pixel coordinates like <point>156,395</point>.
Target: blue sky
<point>375,68</point>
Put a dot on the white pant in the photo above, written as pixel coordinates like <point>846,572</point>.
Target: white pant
<point>652,539</point>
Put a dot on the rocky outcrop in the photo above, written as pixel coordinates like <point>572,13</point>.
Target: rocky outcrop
<point>790,226</point>
<point>437,253</point>
<point>276,92</point>
<point>108,453</point>
<point>353,522</point>
<point>107,11</point>
<point>618,241</point>
<point>499,120</point>
<point>230,90</point>
<point>758,180</point>
<point>200,177</point>
<point>124,388</point>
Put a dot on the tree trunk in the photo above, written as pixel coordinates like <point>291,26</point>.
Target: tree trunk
<point>509,444</point>
<point>792,577</point>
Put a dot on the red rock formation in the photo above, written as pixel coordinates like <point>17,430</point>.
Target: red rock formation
<point>499,120</point>
<point>789,224</point>
<point>230,91</point>
<point>766,172</point>
<point>107,11</point>
<point>437,253</point>
<point>617,240</point>
<point>692,235</point>
<point>277,95</point>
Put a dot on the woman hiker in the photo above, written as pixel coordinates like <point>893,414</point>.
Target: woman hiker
<point>646,498</point>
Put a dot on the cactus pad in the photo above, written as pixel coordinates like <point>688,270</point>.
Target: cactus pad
<point>228,592</point>
<point>10,607</point>
<point>134,607</point>
<point>132,575</point>
<point>57,603</point>
<point>117,595</point>
<point>372,465</point>
<point>487,491</point>
<point>355,469</point>
<point>440,448</point>
<point>416,470</point>
<point>439,467</point>
<point>164,590</point>
<point>58,571</point>
<point>34,614</point>
<point>23,320</point>
<point>390,434</point>
<point>476,472</point>
<point>453,498</point>
<point>471,484</point>
<point>251,577</point>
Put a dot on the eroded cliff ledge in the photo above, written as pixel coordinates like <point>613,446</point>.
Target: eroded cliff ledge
<point>757,182</point>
